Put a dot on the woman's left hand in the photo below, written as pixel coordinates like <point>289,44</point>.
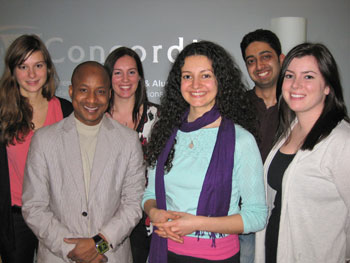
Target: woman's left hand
<point>185,223</point>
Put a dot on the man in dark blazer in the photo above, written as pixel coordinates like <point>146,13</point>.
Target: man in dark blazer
<point>84,179</point>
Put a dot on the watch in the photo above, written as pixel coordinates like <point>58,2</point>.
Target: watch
<point>101,244</point>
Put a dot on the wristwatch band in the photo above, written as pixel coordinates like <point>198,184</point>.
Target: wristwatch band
<point>101,245</point>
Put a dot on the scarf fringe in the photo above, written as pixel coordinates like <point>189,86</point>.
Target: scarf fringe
<point>212,236</point>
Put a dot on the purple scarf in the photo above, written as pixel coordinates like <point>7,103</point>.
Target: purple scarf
<point>215,196</point>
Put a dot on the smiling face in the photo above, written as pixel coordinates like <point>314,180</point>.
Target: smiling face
<point>125,77</point>
<point>31,75</point>
<point>198,84</point>
<point>263,64</point>
<point>90,94</point>
<point>304,88</point>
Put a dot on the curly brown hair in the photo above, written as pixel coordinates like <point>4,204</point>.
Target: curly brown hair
<point>231,98</point>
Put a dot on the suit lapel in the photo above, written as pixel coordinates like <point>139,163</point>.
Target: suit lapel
<point>71,148</point>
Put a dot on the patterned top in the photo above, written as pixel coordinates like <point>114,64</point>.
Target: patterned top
<point>149,117</point>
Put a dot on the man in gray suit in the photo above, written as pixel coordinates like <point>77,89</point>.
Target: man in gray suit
<point>84,179</point>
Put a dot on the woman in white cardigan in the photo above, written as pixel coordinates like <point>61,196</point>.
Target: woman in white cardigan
<point>307,173</point>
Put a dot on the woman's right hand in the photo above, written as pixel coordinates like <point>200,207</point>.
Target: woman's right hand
<point>161,216</point>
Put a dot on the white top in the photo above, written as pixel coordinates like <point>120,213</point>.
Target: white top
<point>315,215</point>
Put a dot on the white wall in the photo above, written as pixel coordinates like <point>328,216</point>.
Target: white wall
<point>73,28</point>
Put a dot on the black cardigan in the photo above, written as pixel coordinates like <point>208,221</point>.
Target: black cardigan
<point>7,239</point>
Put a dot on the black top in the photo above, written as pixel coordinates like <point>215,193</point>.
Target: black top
<point>267,123</point>
<point>66,106</point>
<point>275,174</point>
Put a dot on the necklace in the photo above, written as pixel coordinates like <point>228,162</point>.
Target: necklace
<point>191,144</point>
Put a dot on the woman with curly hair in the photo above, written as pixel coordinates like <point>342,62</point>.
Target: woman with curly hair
<point>202,160</point>
<point>27,102</point>
<point>129,106</point>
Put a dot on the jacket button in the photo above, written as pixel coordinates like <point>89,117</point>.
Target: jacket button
<point>84,213</point>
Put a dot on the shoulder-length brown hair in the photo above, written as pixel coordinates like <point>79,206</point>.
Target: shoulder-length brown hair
<point>334,109</point>
<point>16,113</point>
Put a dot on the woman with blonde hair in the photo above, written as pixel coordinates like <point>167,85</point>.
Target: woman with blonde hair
<point>27,103</point>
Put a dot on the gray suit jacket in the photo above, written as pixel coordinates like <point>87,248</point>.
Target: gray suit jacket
<point>54,199</point>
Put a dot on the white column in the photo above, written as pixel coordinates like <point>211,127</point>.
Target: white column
<point>290,30</point>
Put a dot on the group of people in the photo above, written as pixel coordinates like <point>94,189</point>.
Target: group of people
<point>219,172</point>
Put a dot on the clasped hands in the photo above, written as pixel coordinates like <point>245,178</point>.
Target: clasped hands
<point>173,225</point>
<point>84,251</point>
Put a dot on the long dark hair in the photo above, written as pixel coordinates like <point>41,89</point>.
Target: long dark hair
<point>140,94</point>
<point>231,98</point>
<point>16,113</point>
<point>334,109</point>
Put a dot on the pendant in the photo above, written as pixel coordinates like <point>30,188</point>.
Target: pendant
<point>191,145</point>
